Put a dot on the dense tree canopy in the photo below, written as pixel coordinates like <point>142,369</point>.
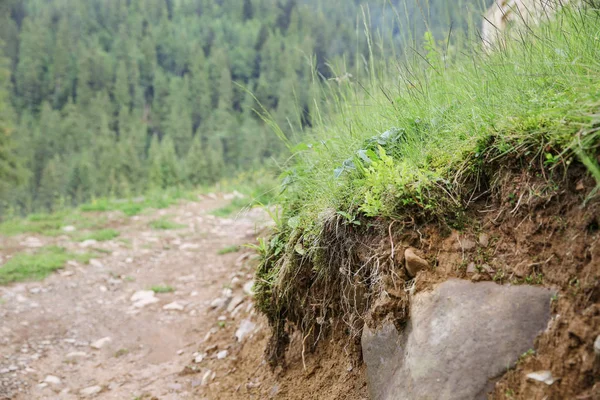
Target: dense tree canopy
<point>105,98</point>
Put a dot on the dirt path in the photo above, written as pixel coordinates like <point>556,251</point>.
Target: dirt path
<point>51,332</point>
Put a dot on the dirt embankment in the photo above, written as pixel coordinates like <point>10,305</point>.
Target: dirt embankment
<point>204,340</point>
<point>522,229</point>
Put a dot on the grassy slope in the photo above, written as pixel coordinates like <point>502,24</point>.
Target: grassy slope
<point>450,114</point>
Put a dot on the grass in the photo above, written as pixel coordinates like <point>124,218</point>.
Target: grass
<point>130,207</point>
<point>165,224</point>
<point>258,187</point>
<point>236,205</point>
<point>36,266</point>
<point>416,140</point>
<point>99,236</point>
<point>228,250</point>
<point>50,224</point>
<point>162,289</point>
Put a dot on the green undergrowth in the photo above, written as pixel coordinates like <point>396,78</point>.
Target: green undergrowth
<point>153,200</point>
<point>51,224</point>
<point>416,143</point>
<point>162,289</point>
<point>102,235</point>
<point>165,224</point>
<point>38,265</point>
<point>228,250</point>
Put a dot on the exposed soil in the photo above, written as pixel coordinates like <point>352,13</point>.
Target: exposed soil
<point>525,233</point>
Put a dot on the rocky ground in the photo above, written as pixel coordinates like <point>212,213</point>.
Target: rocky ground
<point>98,330</point>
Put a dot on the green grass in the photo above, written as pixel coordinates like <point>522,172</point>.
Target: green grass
<point>50,224</point>
<point>162,289</point>
<point>415,140</point>
<point>229,249</point>
<point>411,140</point>
<point>100,236</point>
<point>130,207</point>
<point>259,188</point>
<point>38,265</point>
<point>165,224</point>
<point>236,205</point>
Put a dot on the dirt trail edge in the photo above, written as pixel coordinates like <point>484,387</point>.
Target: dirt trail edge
<point>98,331</point>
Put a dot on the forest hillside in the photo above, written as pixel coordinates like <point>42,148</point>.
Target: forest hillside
<point>115,99</point>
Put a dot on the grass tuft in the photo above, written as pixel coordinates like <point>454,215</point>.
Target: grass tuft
<point>228,250</point>
<point>100,236</point>
<point>165,224</point>
<point>162,289</point>
<point>37,266</point>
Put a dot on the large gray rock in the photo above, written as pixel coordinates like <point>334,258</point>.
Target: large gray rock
<point>461,338</point>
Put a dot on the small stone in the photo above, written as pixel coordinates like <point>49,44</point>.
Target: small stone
<point>484,240</point>
<point>580,186</point>
<point>4,371</point>
<point>597,345</point>
<point>199,358</point>
<point>142,298</point>
<point>100,343</point>
<point>542,376</point>
<point>77,354</point>
<point>12,368</point>
<point>467,244</point>
<point>236,301</point>
<point>129,260</point>
<point>35,290</point>
<point>90,391</point>
<point>413,262</point>
<point>218,303</point>
<point>69,228</point>
<point>96,263</point>
<point>189,246</point>
<point>88,243</point>
<point>246,327</point>
<point>103,288</point>
<point>206,378</point>
<point>471,269</point>
<point>174,306</point>
<point>53,380</point>
<point>248,288</point>
<point>222,354</point>
<point>179,352</point>
<point>222,318</point>
<point>42,385</point>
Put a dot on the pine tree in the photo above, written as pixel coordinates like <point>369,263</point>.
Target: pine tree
<point>121,92</point>
<point>51,185</point>
<point>200,89</point>
<point>9,164</point>
<point>196,164</point>
<point>178,125</point>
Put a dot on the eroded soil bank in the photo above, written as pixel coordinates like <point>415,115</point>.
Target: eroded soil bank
<point>189,343</point>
